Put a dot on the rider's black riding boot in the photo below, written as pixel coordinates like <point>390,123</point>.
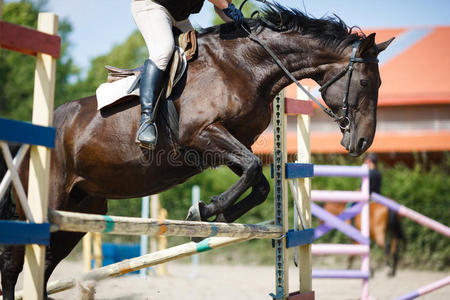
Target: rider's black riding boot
<point>151,84</point>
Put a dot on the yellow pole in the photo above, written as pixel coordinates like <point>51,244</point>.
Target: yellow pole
<point>161,270</point>
<point>154,211</point>
<point>98,254</point>
<point>1,9</point>
<point>38,183</point>
<point>304,193</point>
<point>87,251</point>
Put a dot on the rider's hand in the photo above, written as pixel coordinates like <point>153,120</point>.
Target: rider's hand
<point>233,13</point>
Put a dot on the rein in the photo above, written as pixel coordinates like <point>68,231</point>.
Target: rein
<point>343,121</point>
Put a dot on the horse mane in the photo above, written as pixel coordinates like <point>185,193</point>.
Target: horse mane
<point>331,31</point>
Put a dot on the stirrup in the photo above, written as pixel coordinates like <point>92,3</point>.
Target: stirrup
<point>150,146</point>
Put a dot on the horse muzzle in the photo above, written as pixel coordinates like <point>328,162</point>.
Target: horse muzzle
<point>353,144</point>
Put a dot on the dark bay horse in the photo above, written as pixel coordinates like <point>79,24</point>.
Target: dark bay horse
<point>385,229</point>
<point>223,109</point>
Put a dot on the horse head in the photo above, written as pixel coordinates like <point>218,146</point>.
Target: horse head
<point>341,60</point>
<point>350,89</point>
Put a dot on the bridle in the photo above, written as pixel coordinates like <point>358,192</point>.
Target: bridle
<point>343,121</point>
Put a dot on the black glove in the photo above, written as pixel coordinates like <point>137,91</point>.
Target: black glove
<point>233,13</point>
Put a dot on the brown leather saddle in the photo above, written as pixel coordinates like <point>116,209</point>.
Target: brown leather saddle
<point>185,51</point>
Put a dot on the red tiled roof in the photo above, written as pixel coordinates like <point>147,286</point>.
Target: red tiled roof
<point>420,74</point>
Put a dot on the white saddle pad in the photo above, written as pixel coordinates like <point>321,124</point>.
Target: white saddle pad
<point>108,93</point>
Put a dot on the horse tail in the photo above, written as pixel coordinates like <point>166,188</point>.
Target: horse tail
<point>395,227</point>
<point>7,206</point>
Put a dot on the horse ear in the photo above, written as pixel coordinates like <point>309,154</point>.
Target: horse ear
<point>382,46</point>
<point>366,44</point>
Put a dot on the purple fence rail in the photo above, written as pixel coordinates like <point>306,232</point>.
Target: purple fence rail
<point>412,214</point>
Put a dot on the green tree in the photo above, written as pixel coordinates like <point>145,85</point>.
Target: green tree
<point>17,70</point>
<point>131,53</point>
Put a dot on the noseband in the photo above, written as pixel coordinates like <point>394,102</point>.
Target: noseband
<point>344,121</point>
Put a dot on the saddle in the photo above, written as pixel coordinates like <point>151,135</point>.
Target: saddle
<point>185,51</point>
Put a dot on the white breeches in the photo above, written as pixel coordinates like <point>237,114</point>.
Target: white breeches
<point>155,24</point>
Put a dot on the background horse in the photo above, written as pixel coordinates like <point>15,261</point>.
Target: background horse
<point>225,106</point>
<point>385,229</point>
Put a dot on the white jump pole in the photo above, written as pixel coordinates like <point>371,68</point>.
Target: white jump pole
<point>145,212</point>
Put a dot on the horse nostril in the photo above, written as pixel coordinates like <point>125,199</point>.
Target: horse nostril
<point>362,143</point>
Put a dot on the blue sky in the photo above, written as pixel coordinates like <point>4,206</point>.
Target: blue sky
<point>100,24</point>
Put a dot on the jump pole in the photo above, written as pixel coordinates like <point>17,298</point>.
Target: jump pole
<point>299,172</point>
<point>426,289</point>
<point>411,214</point>
<point>422,220</point>
<point>46,46</point>
<point>87,252</point>
<point>303,187</point>
<point>38,183</point>
<point>79,222</point>
<point>280,195</point>
<point>145,211</point>
<point>337,222</point>
<point>148,260</point>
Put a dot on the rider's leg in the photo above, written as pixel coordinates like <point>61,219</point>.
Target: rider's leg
<point>155,25</point>
<point>151,84</point>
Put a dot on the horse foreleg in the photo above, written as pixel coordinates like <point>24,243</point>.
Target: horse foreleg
<point>217,140</point>
<point>258,195</point>
<point>11,264</point>
<point>62,242</point>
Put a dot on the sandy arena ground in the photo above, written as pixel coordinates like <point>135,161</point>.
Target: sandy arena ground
<point>242,282</point>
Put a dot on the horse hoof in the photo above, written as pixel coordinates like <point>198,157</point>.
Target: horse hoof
<point>194,213</point>
<point>221,219</point>
<point>197,239</point>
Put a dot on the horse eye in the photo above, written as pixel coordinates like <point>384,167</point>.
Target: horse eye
<point>364,82</point>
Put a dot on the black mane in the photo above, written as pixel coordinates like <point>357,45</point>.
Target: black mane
<point>331,31</point>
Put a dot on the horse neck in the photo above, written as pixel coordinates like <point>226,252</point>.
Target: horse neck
<point>303,56</point>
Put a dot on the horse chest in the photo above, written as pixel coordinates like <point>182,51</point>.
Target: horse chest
<point>248,126</point>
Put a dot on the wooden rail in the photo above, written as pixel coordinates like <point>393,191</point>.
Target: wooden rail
<point>78,222</point>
